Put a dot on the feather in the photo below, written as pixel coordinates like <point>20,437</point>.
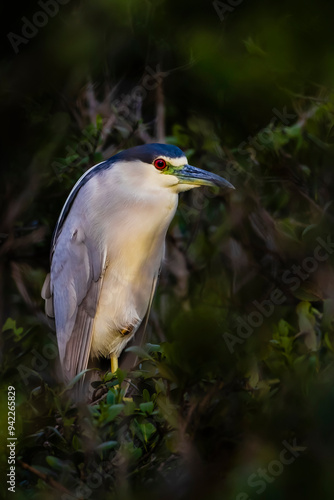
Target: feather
<point>77,270</point>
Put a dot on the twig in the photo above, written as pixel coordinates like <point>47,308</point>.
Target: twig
<point>160,110</point>
<point>47,479</point>
<point>91,102</point>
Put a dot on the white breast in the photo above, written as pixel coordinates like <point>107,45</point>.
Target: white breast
<point>134,233</point>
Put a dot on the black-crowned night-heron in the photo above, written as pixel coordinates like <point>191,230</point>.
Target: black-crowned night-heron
<point>108,246</point>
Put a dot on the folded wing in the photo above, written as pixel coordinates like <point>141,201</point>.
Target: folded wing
<point>71,292</point>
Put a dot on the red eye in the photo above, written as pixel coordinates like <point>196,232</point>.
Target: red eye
<point>160,164</point>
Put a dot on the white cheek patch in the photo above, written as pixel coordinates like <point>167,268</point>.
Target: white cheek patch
<point>175,162</point>
<point>169,180</point>
<point>140,178</point>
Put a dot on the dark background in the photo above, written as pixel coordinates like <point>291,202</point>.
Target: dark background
<point>246,90</point>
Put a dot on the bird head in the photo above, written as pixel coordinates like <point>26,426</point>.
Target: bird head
<point>164,165</point>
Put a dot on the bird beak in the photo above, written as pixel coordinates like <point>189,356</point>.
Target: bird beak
<point>198,177</point>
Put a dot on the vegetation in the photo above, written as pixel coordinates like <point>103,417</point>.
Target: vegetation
<point>232,396</point>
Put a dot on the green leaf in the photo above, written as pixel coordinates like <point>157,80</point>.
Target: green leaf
<point>130,408</point>
<point>108,445</point>
<point>99,122</point>
<point>283,328</point>
<point>113,412</point>
<point>111,398</point>
<point>56,463</point>
<point>130,451</point>
<point>144,430</point>
<point>253,48</point>
<point>139,351</point>
<point>147,407</point>
<point>146,395</point>
<point>153,347</point>
<point>121,374</point>
<point>10,324</point>
<point>328,342</point>
<point>108,376</point>
<point>76,443</point>
<point>77,378</point>
<point>56,432</point>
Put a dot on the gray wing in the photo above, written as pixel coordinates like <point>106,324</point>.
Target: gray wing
<point>71,293</point>
<point>147,315</point>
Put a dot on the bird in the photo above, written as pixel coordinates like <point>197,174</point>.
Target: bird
<point>107,249</point>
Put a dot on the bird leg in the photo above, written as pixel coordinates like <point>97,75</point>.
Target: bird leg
<point>114,367</point>
<point>113,363</point>
<point>113,358</point>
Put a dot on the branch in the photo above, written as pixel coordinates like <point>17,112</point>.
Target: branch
<point>47,479</point>
<point>160,109</point>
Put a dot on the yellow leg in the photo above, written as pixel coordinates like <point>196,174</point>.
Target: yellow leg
<point>114,363</point>
<point>114,367</point>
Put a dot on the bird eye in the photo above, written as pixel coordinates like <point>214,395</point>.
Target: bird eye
<point>160,164</point>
